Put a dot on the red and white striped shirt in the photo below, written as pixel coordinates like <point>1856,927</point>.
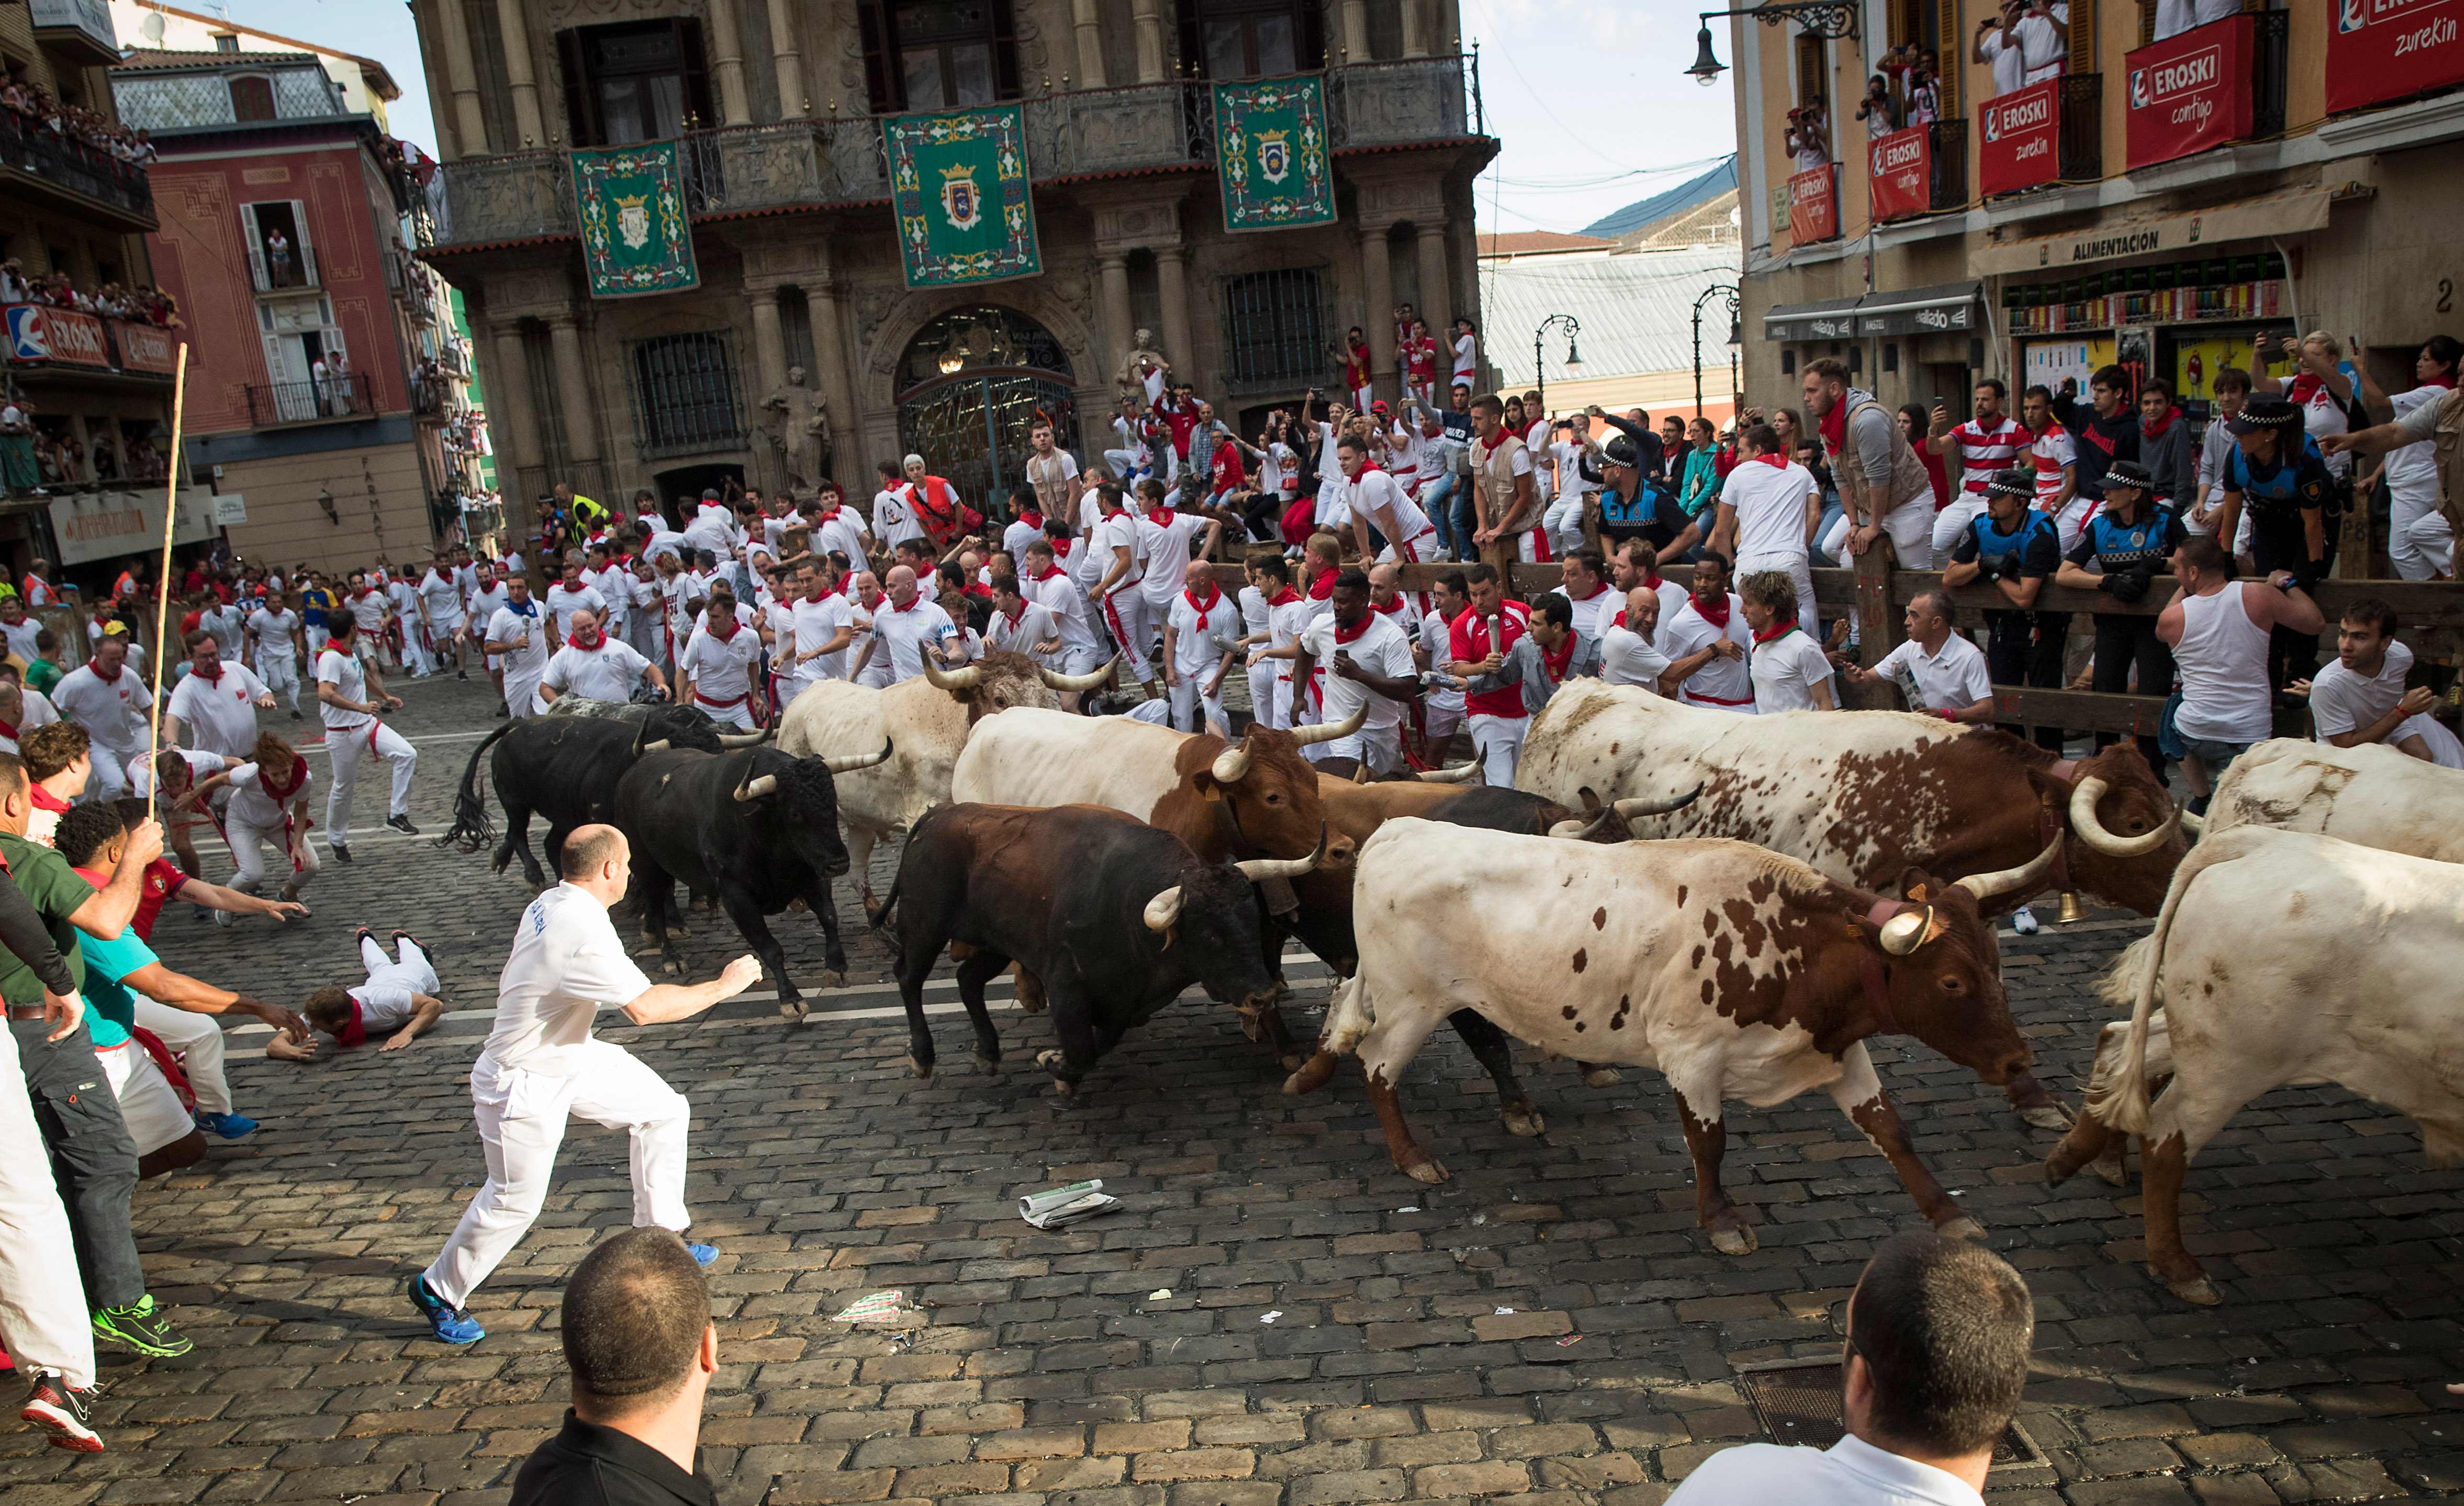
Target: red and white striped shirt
<point>1984,449</point>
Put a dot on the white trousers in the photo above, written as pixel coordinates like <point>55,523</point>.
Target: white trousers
<point>148,1104</point>
<point>42,1301</point>
<point>1123,462</point>
<point>2420,542</point>
<point>197,1040</point>
<point>409,968</point>
<point>1564,520</point>
<point>739,715</point>
<point>1799,569</point>
<point>1262,694</point>
<point>110,778</point>
<point>280,673</point>
<point>1911,526</point>
<point>1381,749</point>
<point>1499,742</point>
<point>521,692</point>
<point>415,656</point>
<point>1188,702</point>
<point>249,845</point>
<point>1954,521</point>
<point>349,745</point>
<point>521,1117</point>
<point>317,636</point>
<point>1125,613</point>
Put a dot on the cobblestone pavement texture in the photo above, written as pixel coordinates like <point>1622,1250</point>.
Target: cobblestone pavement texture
<point>1275,1317</point>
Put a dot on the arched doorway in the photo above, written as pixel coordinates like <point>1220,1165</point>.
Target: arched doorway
<point>970,386</point>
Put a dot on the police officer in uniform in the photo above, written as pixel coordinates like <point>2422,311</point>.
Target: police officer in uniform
<point>2014,548</point>
<point>2275,472</point>
<point>2130,540</point>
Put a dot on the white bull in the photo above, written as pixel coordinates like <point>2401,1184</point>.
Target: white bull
<point>2279,959</point>
<point>2371,794</point>
<point>926,722</point>
<point>1736,973</point>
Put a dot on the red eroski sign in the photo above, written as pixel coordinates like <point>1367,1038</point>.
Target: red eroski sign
<point>1902,168</point>
<point>2190,92</point>
<point>2022,139</point>
<point>2386,49</point>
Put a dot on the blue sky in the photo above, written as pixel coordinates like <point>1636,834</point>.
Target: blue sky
<point>1591,101</point>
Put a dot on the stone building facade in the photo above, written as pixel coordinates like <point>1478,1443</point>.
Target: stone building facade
<point>803,352</point>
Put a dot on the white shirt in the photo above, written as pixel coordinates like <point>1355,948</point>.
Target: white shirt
<point>1770,506</point>
<point>21,638</point>
<point>484,603</point>
<point>442,597</point>
<point>1569,456</point>
<point>272,633</point>
<point>2343,701</point>
<point>219,714</point>
<point>721,672</point>
<point>526,628</point>
<point>1785,672</point>
<point>112,712</point>
<point>1953,679</point>
<point>562,604</point>
<point>1061,596</point>
<point>902,635</point>
<point>1164,539</point>
<point>1465,362</point>
<point>229,626</point>
<point>367,610</point>
<point>662,541</point>
<point>1725,684</point>
<point>2173,17</point>
<point>814,624</point>
<point>343,672</point>
<point>1436,636</point>
<point>1113,534</point>
<point>406,600</point>
<point>893,522</point>
<point>567,965</point>
<point>1593,613</point>
<point>843,531</point>
<point>1381,649</point>
<point>1201,640</point>
<point>609,672</point>
<point>1629,659</point>
<point>1850,1473</point>
<point>251,805</point>
<point>2412,472</point>
<point>615,587</point>
<point>713,528</point>
<point>1033,627</point>
<point>141,773</point>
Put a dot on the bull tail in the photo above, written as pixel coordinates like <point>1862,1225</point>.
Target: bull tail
<point>1349,1016</point>
<point>879,920</point>
<point>2120,1100</point>
<point>471,829</point>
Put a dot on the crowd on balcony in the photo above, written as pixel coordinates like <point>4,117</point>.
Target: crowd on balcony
<point>111,300</point>
<point>2029,41</point>
<point>34,112</point>
<point>1906,91</point>
<point>41,453</point>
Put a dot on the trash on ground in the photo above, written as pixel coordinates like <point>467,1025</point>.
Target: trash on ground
<point>1065,1205</point>
<point>1505,1312</point>
<point>1161,1294</point>
<point>1269,1317</point>
<point>875,1307</point>
<point>1569,1341</point>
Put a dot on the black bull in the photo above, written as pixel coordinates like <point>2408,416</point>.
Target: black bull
<point>754,827</point>
<point>1113,917</point>
<point>563,768</point>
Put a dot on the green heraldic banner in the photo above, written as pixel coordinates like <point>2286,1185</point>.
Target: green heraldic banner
<point>1273,154</point>
<point>634,235</point>
<point>958,183</point>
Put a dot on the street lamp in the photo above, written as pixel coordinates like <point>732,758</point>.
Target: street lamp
<point>1573,360</point>
<point>1727,291</point>
<point>1832,18</point>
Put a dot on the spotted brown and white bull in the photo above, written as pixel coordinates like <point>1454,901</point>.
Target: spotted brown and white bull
<point>2281,957</point>
<point>1864,795</point>
<point>1736,973</point>
<point>2371,794</point>
<point>928,720</point>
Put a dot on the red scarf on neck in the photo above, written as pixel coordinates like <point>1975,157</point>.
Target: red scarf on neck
<point>45,799</point>
<point>1777,462</point>
<point>280,794</point>
<point>1504,433</point>
<point>1775,632</point>
<point>1032,519</point>
<point>1321,589</point>
<point>1061,547</point>
<point>725,629</point>
<point>1045,574</point>
<point>1344,634</point>
<point>1286,597</point>
<point>1558,661</point>
<point>112,678</point>
<point>589,644</point>
<point>1213,594</point>
<point>1716,615</point>
<point>1161,516</point>
<point>361,593</point>
<point>214,676</point>
<point>2156,430</point>
<point>1834,425</point>
<point>1395,611</point>
<point>2303,387</point>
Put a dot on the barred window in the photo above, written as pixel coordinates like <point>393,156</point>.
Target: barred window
<point>1274,327</point>
<point>685,397</point>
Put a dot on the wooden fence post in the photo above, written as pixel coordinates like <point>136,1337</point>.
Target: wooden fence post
<point>1878,625</point>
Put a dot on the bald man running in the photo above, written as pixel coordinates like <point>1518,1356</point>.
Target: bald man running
<point>540,1065</point>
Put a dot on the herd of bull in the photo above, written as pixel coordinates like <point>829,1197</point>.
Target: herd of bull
<point>1737,903</point>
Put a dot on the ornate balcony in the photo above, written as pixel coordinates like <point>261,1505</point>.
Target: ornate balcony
<point>1093,133</point>
<point>520,197</point>
<point>1399,103</point>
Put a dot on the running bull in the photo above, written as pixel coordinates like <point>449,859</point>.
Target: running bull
<point>1864,795</point>
<point>1735,971</point>
<point>754,827</point>
<point>563,768</point>
<point>2371,794</point>
<point>1115,917</point>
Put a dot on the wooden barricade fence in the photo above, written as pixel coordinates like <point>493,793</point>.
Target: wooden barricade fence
<point>1876,594</point>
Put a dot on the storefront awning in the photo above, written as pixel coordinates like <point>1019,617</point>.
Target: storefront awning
<point>2247,219</point>
<point>1949,307</point>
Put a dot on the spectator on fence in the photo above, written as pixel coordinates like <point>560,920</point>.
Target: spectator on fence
<point>1935,1359</point>
<point>2218,629</point>
<point>2359,697</point>
<point>1937,669</point>
<point>2130,542</point>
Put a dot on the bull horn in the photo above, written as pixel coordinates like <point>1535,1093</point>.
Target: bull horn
<point>953,680</point>
<point>2092,831</point>
<point>1640,806</point>
<point>1232,763</point>
<point>2192,822</point>
<point>1259,869</point>
<point>849,762</point>
<point>1576,829</point>
<point>1360,775</point>
<point>659,746</point>
<point>1451,776</point>
<point>753,789</point>
<point>1079,683</point>
<point>1163,909</point>
<point>2023,879</point>
<point>1906,931</point>
<point>743,740</point>
<point>1325,733</point>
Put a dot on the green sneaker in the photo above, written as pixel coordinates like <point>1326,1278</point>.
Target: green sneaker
<point>140,1328</point>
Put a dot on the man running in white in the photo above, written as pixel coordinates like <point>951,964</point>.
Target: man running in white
<point>716,672</point>
<point>228,625</point>
<point>1709,645</point>
<point>1768,508</point>
<point>281,643</point>
<point>1115,548</point>
<point>542,1066</point>
<point>1021,626</point>
<point>906,626</point>
<point>418,645</point>
<point>1164,535</point>
<point>595,666</point>
<point>350,695</point>
<point>2359,697</point>
<point>516,641</point>
<point>440,602</point>
<point>398,1002</point>
<point>823,625</point>
<point>268,806</point>
<point>1629,651</point>
<point>1369,673</point>
<point>111,703</point>
<point>486,598</point>
<point>214,706</point>
<point>1201,631</point>
<point>570,594</point>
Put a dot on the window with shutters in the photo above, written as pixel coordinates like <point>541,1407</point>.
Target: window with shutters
<point>252,98</point>
<point>1952,56</point>
<point>2082,24</point>
<point>685,396</point>
<point>1274,327</point>
<point>279,255</point>
<point>1813,70</point>
<point>639,81</point>
<point>938,55</point>
<point>1253,38</point>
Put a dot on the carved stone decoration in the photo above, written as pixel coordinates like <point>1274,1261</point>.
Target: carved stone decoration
<point>1396,104</point>
<point>1034,60</point>
<point>552,13</point>
<point>1130,375</point>
<point>1076,292</point>
<point>796,426</point>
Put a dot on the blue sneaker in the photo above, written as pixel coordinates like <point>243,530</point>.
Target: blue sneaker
<point>703,1254</point>
<point>450,1324</point>
<point>229,1126</point>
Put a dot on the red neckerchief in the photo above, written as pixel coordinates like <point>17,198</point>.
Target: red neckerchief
<point>1213,595</point>
<point>2157,430</point>
<point>917,600</point>
<point>1777,462</point>
<point>591,645</point>
<point>8,730</point>
<point>363,591</point>
<point>1061,547</point>
<point>112,678</point>
<point>354,1033</point>
<point>1557,662</point>
<point>1032,519</point>
<point>215,678</point>
<point>2447,382</point>
<point>1834,425</point>
<point>1342,635</point>
<point>2303,389</point>
<point>979,588</point>
<point>1395,611</point>
<point>1717,617</point>
<point>45,799</point>
<point>1504,434</point>
<point>280,794</point>
<point>1044,575</point>
<point>731,623</point>
<point>1010,623</point>
<point>1594,596</point>
<point>1286,597</point>
<point>1321,589</point>
<point>1651,576</point>
<point>1161,516</point>
<point>1775,632</point>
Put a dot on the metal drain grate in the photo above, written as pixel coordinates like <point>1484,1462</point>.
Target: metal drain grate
<point>1797,1402</point>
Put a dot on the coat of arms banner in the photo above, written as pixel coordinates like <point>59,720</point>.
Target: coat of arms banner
<point>958,187</point>
<point>1272,149</point>
<point>635,236</point>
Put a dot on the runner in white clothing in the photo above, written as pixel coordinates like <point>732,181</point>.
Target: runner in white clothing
<point>1628,648</point>
<point>1201,633</point>
<point>441,598</point>
<point>214,706</point>
<point>517,642</point>
<point>2359,697</point>
<point>351,696</point>
<point>1369,680</point>
<point>1164,535</point>
<point>276,629</point>
<point>715,673</point>
<point>1768,508</point>
<point>1021,626</point>
<point>569,596</point>
<point>1116,548</point>
<point>267,806</point>
<point>104,697</point>
<point>907,625</point>
<point>1051,588</point>
<point>1708,644</point>
<point>2217,628</point>
<point>541,1065</point>
<point>823,624</point>
<point>597,667</point>
<point>1791,673</point>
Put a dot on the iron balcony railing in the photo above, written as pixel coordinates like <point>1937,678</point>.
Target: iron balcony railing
<point>310,402</point>
<point>2082,127</point>
<point>1948,189</point>
<point>2272,49</point>
<point>71,165</point>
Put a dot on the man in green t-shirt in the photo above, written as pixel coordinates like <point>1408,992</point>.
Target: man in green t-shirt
<point>44,674</point>
<point>94,1160</point>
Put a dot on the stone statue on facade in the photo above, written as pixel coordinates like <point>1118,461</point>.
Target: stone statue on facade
<point>796,424</point>
<point>1142,372</point>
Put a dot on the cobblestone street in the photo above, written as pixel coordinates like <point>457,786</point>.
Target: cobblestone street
<point>1275,1317</point>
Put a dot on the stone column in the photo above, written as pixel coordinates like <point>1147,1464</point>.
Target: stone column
<point>1377,291</point>
<point>1355,30</point>
<point>1086,20</point>
<point>1117,330</point>
<point>1415,39</point>
<point>520,79</point>
<point>1148,16</point>
<point>848,461</point>
<point>509,411</point>
<point>573,389</point>
<point>1437,296</point>
<point>1173,284</point>
<point>727,63</point>
<point>462,77</point>
<point>792,103</point>
<point>769,375</point>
